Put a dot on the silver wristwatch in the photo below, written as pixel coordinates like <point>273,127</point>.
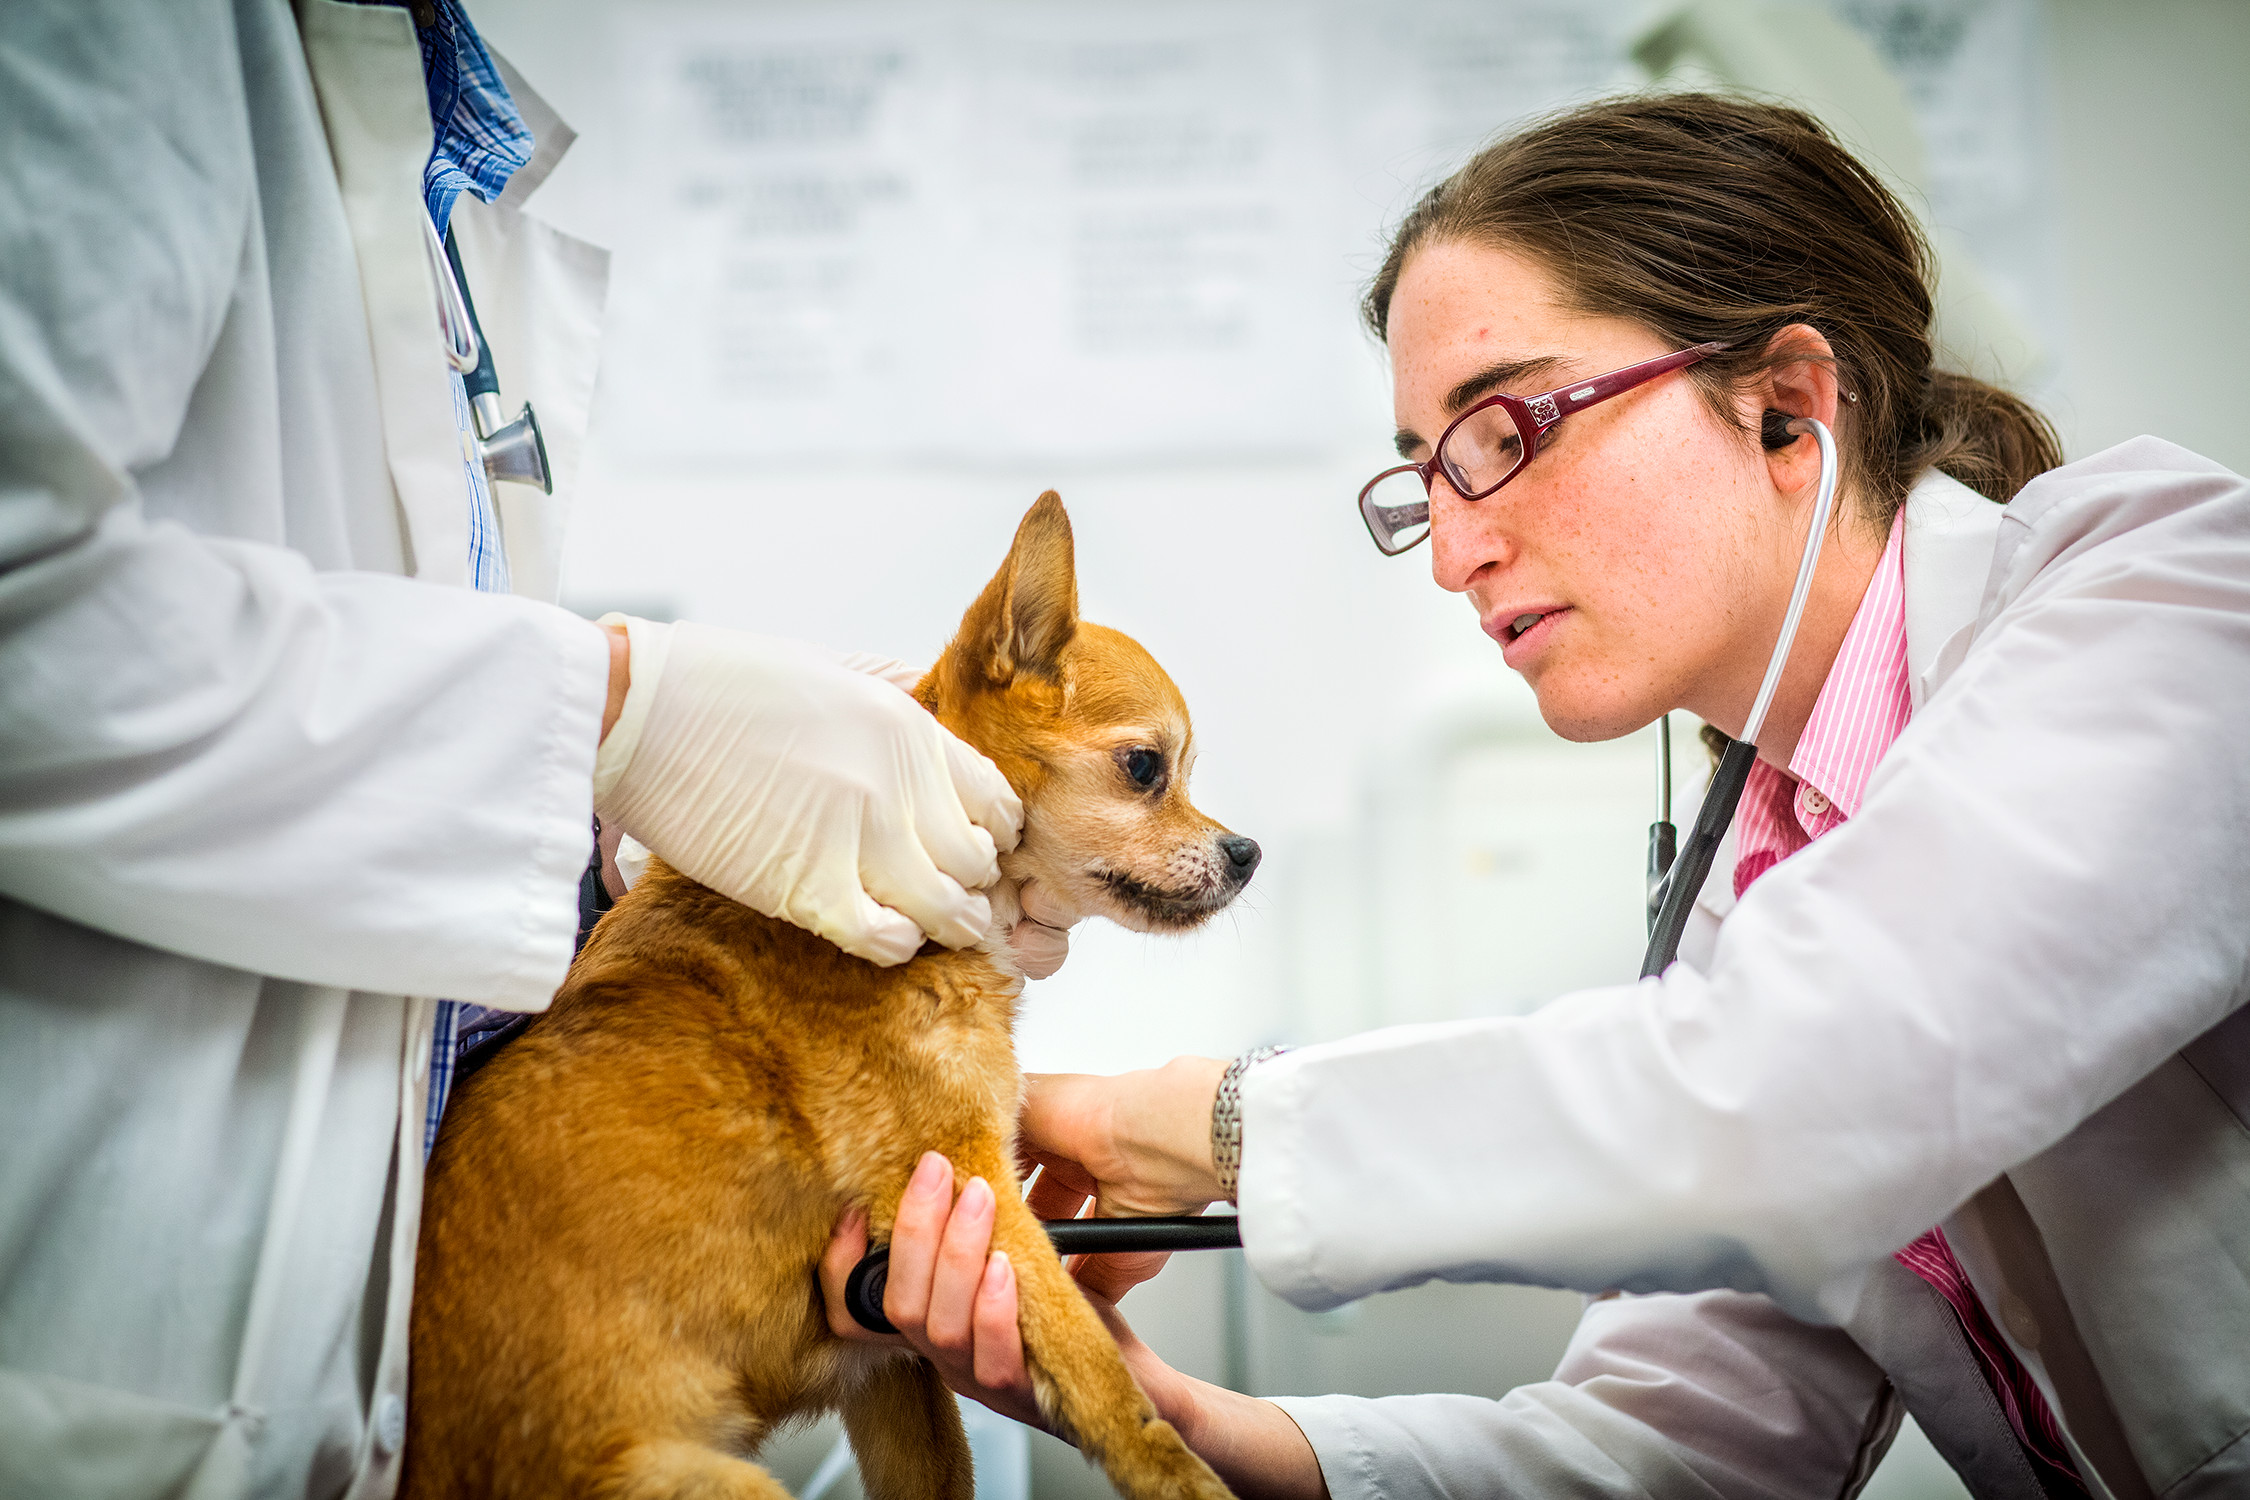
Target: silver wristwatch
<point>1226,1118</point>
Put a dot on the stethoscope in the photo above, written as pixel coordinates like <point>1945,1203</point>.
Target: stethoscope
<point>1675,880</point>
<point>1674,883</point>
<point>516,452</point>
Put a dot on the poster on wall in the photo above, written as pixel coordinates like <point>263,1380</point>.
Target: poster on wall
<point>991,231</point>
<point>790,162</point>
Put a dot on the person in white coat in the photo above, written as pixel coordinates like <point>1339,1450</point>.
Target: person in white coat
<point>1945,1108</point>
<point>275,779</point>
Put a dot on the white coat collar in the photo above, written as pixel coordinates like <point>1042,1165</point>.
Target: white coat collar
<point>1951,531</point>
<point>551,135</point>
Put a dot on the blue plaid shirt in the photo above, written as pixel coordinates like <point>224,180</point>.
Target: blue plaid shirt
<point>481,139</point>
<point>479,142</point>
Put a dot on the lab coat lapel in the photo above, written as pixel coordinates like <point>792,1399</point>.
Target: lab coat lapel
<point>1950,534</point>
<point>539,295</point>
<point>367,71</point>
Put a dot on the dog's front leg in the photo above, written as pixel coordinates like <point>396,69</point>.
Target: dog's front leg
<point>906,1433</point>
<point>1080,1378</point>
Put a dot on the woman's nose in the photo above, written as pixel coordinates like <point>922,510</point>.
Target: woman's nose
<point>1464,537</point>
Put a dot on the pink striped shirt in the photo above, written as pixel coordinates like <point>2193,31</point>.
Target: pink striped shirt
<point>1863,707</point>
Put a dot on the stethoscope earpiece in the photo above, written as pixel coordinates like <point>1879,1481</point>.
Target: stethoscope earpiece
<point>1773,430</point>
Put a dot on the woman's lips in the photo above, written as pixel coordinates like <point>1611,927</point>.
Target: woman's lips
<point>1520,646</point>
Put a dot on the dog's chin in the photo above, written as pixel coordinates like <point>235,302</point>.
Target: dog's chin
<point>1142,907</point>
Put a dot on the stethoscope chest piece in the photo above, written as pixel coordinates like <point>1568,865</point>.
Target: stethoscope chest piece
<point>517,452</point>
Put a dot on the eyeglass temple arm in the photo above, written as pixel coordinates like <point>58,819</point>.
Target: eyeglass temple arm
<point>1617,382</point>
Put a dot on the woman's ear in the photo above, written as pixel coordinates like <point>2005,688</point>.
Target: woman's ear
<point>1803,384</point>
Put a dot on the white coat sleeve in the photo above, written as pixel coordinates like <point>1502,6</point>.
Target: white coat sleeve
<point>2041,898</point>
<point>207,746</point>
<point>1657,1398</point>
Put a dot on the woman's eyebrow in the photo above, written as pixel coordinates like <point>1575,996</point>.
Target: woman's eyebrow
<point>1494,376</point>
<point>1483,383</point>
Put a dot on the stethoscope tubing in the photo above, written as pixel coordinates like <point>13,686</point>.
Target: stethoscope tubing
<point>1683,879</point>
<point>863,1288</point>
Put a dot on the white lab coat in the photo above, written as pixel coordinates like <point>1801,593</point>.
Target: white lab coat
<point>1983,1001</point>
<point>266,769</point>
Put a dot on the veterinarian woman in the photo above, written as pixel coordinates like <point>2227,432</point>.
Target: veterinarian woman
<point>1946,1108</point>
<point>280,749</point>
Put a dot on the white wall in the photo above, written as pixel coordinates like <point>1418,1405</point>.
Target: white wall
<point>2152,142</point>
<point>1307,658</point>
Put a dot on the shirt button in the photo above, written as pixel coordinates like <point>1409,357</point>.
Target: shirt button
<point>1814,802</point>
<point>390,1425</point>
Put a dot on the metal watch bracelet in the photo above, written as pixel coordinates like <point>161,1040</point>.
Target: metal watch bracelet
<point>1226,1118</point>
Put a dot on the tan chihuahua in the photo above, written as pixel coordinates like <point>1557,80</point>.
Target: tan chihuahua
<point>616,1290</point>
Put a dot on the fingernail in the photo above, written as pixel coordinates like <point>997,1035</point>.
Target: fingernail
<point>930,1174</point>
<point>976,1198</point>
<point>999,1274</point>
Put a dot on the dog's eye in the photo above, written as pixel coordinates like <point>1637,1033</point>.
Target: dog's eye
<point>1143,766</point>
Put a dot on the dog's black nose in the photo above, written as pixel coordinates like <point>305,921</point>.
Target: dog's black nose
<point>1242,853</point>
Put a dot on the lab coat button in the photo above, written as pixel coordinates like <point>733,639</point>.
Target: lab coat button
<point>2020,1322</point>
<point>390,1425</point>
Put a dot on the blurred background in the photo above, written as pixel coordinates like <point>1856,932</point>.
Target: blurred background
<point>882,273</point>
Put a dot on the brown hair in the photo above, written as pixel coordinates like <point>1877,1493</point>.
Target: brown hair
<point>1720,220</point>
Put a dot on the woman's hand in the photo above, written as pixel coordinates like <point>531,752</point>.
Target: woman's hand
<point>1138,1143</point>
<point>804,789</point>
<point>953,1297</point>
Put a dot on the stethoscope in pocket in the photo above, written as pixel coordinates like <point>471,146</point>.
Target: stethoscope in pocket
<point>516,452</point>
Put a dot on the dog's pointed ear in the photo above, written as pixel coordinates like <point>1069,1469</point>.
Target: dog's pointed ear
<point>1026,616</point>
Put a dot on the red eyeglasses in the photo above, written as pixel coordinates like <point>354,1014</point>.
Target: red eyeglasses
<point>1488,445</point>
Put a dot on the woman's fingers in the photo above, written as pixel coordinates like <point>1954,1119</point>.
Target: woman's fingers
<point>952,1296</point>
<point>959,1270</point>
<point>1055,1196</point>
<point>845,1250</point>
<point>915,1237</point>
<point>1111,1276</point>
<point>998,1364</point>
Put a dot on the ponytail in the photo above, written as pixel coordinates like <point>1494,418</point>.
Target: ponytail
<point>1992,440</point>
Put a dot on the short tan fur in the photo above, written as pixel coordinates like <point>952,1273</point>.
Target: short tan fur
<point>616,1294</point>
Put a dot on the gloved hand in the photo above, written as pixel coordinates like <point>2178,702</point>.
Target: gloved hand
<point>1040,939</point>
<point>804,789</point>
<point>1038,925</point>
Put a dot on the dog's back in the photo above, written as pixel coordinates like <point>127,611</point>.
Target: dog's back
<point>615,1290</point>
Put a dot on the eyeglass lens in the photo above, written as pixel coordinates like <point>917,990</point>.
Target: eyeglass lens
<point>1482,451</point>
<point>1397,510</point>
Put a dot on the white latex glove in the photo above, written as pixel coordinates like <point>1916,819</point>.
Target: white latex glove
<point>1038,926</point>
<point>804,789</point>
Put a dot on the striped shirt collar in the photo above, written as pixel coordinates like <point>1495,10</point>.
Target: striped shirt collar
<point>1862,708</point>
